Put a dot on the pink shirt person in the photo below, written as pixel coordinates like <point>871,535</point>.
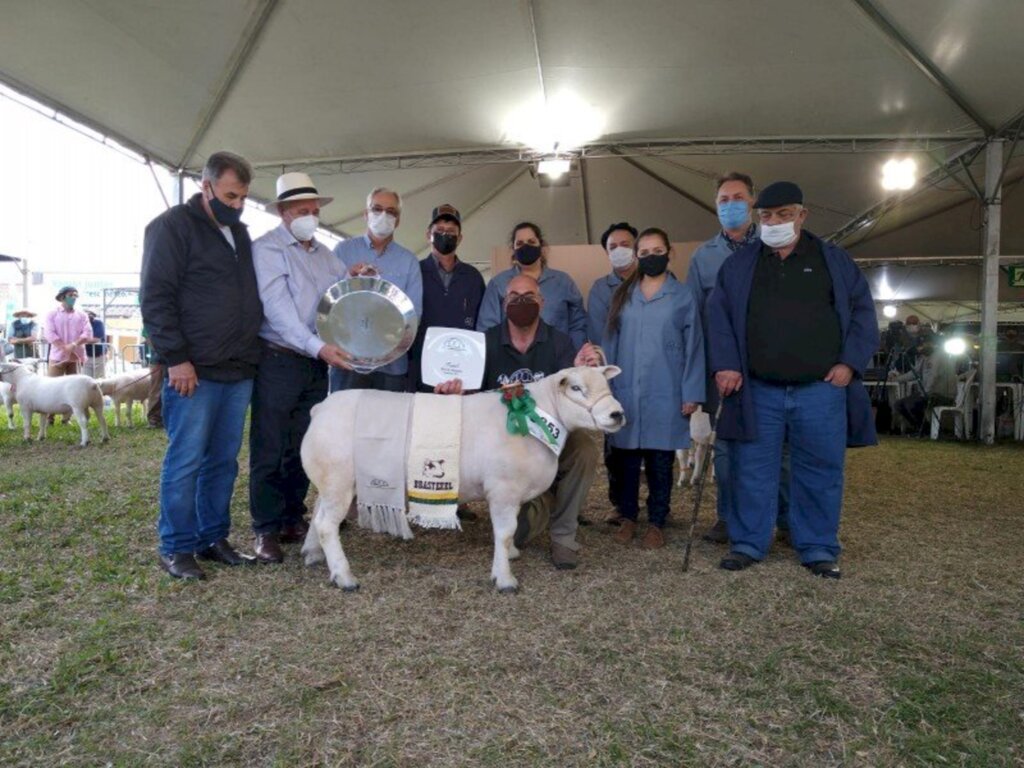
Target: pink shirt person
<point>66,325</point>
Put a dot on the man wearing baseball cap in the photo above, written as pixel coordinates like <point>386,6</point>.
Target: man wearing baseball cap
<point>792,328</point>
<point>67,330</point>
<point>293,270</point>
<point>452,289</point>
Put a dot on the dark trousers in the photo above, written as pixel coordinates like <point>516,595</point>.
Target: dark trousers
<point>154,411</point>
<point>611,465</point>
<point>658,466</point>
<point>287,387</point>
<point>387,382</point>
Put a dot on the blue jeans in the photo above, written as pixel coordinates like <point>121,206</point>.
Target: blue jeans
<point>726,500</point>
<point>204,433</point>
<point>812,418</point>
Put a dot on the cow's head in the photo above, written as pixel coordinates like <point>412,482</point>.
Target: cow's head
<point>586,401</point>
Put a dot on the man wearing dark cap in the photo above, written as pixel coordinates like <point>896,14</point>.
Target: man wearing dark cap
<point>617,241</point>
<point>792,328</point>
<point>452,289</point>
<point>67,330</point>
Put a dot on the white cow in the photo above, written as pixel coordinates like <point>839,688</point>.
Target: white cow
<point>127,387</point>
<point>8,398</point>
<point>63,395</point>
<point>504,469</point>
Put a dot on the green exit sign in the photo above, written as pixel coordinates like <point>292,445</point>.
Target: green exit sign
<point>1017,276</point>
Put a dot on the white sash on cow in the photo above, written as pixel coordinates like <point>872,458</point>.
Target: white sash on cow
<point>432,478</point>
<point>382,424</point>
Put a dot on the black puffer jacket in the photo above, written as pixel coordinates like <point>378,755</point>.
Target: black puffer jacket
<point>199,298</point>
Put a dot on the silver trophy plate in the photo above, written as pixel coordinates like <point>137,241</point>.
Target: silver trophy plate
<point>371,319</point>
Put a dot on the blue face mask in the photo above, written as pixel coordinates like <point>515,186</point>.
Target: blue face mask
<point>225,215</point>
<point>734,214</point>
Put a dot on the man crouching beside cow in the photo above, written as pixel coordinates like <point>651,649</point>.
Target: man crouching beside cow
<point>523,481</point>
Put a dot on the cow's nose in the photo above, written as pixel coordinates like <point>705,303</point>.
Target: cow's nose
<point>617,416</point>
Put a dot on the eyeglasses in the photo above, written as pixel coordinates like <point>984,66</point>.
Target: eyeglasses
<point>521,298</point>
<point>641,254</point>
<point>379,209</point>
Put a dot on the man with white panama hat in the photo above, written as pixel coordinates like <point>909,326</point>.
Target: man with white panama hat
<point>293,270</point>
<point>23,333</point>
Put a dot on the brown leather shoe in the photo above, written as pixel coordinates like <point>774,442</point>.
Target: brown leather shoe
<point>654,538</point>
<point>222,552</point>
<point>563,558</point>
<point>267,547</point>
<point>293,532</point>
<point>626,532</point>
<point>182,565</point>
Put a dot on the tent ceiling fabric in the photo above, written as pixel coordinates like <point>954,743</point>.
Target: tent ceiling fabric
<point>297,82</point>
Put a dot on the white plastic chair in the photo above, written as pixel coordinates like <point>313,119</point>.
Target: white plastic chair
<point>959,410</point>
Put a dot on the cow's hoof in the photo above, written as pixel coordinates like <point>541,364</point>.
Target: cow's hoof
<point>351,588</point>
<point>346,586</point>
<point>508,590</point>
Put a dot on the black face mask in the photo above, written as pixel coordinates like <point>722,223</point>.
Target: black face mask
<point>653,265</point>
<point>527,254</point>
<point>225,215</point>
<point>522,314</point>
<point>444,242</point>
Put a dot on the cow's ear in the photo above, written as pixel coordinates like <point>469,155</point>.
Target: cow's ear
<point>563,382</point>
<point>610,371</point>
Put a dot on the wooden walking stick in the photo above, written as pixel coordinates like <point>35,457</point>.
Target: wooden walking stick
<point>701,469</point>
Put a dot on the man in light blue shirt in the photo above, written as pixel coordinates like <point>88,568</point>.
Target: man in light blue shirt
<point>734,199</point>
<point>377,253</point>
<point>293,270</point>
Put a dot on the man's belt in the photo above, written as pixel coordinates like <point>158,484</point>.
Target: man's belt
<point>284,350</point>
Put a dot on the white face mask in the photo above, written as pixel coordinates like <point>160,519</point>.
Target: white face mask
<point>304,227</point>
<point>620,257</point>
<point>382,224</point>
<point>778,235</point>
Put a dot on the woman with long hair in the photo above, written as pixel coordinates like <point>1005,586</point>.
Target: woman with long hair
<point>563,302</point>
<point>654,335</point>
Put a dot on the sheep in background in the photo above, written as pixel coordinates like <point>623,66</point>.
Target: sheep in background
<point>127,387</point>
<point>64,395</point>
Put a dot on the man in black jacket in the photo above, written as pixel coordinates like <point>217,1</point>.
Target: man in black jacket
<point>201,307</point>
<point>452,289</point>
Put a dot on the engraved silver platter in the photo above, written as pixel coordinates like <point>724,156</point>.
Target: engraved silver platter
<point>371,319</point>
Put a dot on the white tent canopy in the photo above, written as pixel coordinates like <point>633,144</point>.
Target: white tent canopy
<point>419,97</point>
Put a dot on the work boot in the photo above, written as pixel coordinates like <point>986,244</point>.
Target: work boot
<point>654,538</point>
<point>563,558</point>
<point>717,533</point>
<point>626,532</point>
<point>182,565</point>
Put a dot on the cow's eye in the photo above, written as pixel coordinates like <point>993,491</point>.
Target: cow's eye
<point>577,388</point>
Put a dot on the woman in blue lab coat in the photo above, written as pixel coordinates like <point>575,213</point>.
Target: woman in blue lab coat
<point>654,335</point>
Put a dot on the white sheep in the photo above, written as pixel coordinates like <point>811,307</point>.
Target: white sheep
<point>62,395</point>
<point>127,387</point>
<point>8,397</point>
<point>504,469</point>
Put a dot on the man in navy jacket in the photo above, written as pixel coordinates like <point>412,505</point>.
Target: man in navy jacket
<point>452,289</point>
<point>792,327</point>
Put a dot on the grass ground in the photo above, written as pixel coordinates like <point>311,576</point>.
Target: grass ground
<point>915,658</point>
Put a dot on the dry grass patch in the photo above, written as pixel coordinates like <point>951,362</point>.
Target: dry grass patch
<point>915,658</point>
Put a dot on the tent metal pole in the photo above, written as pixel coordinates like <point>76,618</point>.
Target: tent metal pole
<point>159,186</point>
<point>990,292</point>
<point>666,183</point>
<point>585,201</point>
<point>923,63</point>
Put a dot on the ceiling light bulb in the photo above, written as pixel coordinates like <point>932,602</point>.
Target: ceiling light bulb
<point>889,310</point>
<point>553,167</point>
<point>899,174</point>
<point>955,346</point>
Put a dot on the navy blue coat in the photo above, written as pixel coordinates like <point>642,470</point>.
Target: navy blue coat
<point>727,338</point>
<point>456,307</point>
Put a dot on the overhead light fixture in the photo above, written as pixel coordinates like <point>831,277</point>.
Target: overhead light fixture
<point>889,310</point>
<point>554,167</point>
<point>955,346</point>
<point>563,122</point>
<point>899,174</point>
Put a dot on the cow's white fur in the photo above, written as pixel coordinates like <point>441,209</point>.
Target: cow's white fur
<point>8,397</point>
<point>691,458</point>
<point>127,387</point>
<point>504,469</point>
<point>62,395</point>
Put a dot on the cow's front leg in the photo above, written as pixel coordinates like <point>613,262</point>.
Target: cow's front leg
<point>503,519</point>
